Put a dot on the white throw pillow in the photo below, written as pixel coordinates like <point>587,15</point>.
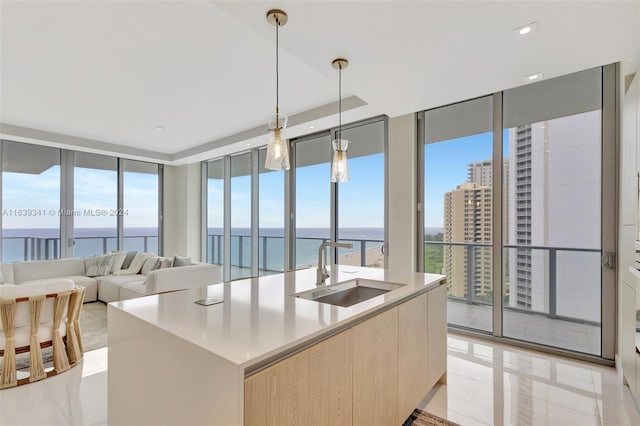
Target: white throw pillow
<point>118,260</point>
<point>98,265</point>
<point>180,261</point>
<point>166,262</point>
<point>136,264</point>
<point>150,264</point>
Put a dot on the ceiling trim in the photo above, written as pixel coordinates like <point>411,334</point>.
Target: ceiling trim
<point>58,140</point>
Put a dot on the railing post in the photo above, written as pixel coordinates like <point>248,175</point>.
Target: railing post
<point>104,245</point>
<point>219,249</point>
<point>25,245</point>
<point>145,243</point>
<point>469,249</point>
<point>363,253</point>
<point>240,251</point>
<point>264,253</point>
<point>552,284</point>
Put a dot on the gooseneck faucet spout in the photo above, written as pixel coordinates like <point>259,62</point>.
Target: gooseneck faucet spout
<point>322,273</point>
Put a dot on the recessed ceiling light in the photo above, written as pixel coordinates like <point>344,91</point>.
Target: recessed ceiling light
<point>312,126</point>
<point>536,76</point>
<point>248,144</point>
<point>528,29</point>
<point>160,128</point>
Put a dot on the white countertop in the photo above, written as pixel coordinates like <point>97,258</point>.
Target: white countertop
<point>259,318</point>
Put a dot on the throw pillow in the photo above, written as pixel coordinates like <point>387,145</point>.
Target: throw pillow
<point>180,261</point>
<point>128,259</point>
<point>136,264</point>
<point>98,265</point>
<point>150,264</point>
<point>166,262</point>
<point>118,260</point>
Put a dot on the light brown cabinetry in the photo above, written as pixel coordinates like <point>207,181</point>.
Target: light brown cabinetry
<point>374,373</point>
<point>375,370</point>
<point>413,367</point>
<point>313,387</point>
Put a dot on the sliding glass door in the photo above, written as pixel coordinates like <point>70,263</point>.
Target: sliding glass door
<point>552,244</point>
<point>515,214</point>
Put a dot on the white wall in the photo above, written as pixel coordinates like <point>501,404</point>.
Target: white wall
<point>629,167</point>
<point>183,211</point>
<point>402,193</point>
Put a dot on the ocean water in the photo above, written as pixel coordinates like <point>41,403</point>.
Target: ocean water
<point>44,243</point>
<point>271,243</point>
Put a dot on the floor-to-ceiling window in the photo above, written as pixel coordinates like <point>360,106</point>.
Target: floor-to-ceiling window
<point>313,197</point>
<point>514,211</point>
<point>31,208</point>
<point>458,189</point>
<point>263,221</point>
<point>552,238</point>
<point>361,201</point>
<point>140,207</point>
<point>241,259</point>
<point>95,191</point>
<point>62,203</point>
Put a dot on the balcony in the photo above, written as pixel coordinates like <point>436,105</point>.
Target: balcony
<point>551,298</point>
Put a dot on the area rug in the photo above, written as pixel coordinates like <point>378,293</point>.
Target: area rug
<point>93,323</point>
<point>422,418</point>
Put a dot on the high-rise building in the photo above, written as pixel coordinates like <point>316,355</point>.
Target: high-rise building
<point>467,218</point>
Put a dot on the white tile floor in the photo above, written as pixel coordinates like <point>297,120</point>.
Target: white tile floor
<point>488,384</point>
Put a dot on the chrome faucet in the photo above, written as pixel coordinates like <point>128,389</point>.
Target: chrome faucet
<point>322,273</point>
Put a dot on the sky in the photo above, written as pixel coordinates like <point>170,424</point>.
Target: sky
<point>33,201</point>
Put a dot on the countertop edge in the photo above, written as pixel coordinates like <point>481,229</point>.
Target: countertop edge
<point>255,366</point>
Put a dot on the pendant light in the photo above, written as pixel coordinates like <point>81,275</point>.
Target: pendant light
<point>339,167</point>
<point>277,149</point>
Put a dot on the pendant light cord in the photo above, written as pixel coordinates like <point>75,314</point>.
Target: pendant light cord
<point>277,75</point>
<point>340,102</point>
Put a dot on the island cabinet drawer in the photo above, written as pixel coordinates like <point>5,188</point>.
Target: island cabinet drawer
<point>313,387</point>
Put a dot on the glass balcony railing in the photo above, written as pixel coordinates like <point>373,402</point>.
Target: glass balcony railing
<point>271,252</point>
<point>20,249</point>
<point>556,282</point>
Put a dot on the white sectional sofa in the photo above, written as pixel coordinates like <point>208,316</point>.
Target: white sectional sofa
<point>112,287</point>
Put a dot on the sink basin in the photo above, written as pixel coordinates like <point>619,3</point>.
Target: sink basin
<point>348,293</point>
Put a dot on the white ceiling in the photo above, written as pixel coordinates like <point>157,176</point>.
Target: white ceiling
<point>101,76</point>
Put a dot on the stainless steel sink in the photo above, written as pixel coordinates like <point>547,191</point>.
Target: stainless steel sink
<point>349,293</point>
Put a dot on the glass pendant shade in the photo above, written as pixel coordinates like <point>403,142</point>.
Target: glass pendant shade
<point>339,167</point>
<point>278,148</point>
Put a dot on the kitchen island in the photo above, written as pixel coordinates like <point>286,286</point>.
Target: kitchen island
<point>265,356</point>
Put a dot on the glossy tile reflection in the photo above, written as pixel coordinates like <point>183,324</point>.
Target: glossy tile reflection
<point>493,384</point>
<point>488,384</point>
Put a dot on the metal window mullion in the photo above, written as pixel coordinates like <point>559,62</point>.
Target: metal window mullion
<point>226,268</point>
<point>609,197</point>
<point>289,210</point>
<point>1,196</point>
<point>385,243</point>
<point>496,226</point>
<point>161,209</point>
<point>66,202</point>
<point>204,207</point>
<point>255,222</point>
<point>420,122</point>
<point>120,217</point>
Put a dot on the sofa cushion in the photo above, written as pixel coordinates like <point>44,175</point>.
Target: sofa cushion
<point>98,265</point>
<point>166,262</point>
<point>35,270</point>
<point>132,290</point>
<point>90,285</point>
